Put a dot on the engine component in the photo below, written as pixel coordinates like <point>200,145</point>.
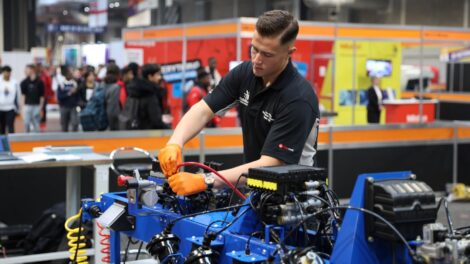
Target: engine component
<point>202,255</point>
<point>284,179</point>
<point>163,246</point>
<point>435,232</point>
<point>449,251</point>
<point>408,204</point>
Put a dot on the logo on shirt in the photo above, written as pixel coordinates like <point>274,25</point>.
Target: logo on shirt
<point>284,147</point>
<point>268,116</point>
<point>246,97</point>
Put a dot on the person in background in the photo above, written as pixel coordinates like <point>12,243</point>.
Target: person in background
<point>101,72</point>
<point>87,88</point>
<point>33,90</point>
<point>214,73</point>
<point>374,105</point>
<point>135,69</point>
<point>112,94</point>
<point>68,98</point>
<point>43,73</point>
<point>142,95</point>
<point>9,101</point>
<point>199,91</point>
<point>126,76</point>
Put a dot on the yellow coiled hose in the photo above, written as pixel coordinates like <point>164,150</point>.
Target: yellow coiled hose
<point>76,242</point>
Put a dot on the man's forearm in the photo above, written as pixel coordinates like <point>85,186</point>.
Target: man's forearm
<point>233,174</point>
<point>191,123</point>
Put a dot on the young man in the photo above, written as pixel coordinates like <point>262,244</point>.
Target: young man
<point>9,101</point>
<point>211,68</point>
<point>69,98</point>
<point>374,105</point>
<point>279,108</point>
<point>142,109</point>
<point>33,90</point>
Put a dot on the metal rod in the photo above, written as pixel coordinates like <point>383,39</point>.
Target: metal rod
<point>330,156</point>
<point>421,77</point>
<point>455,155</point>
<point>353,80</point>
<point>202,147</point>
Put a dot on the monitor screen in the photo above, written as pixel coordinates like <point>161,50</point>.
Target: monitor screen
<point>379,68</point>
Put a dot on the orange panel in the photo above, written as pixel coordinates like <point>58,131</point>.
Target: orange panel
<point>378,33</point>
<point>211,30</point>
<point>248,28</point>
<point>464,132</point>
<point>163,33</point>
<point>439,96</point>
<point>132,35</point>
<point>445,35</point>
<point>305,30</point>
<point>392,135</point>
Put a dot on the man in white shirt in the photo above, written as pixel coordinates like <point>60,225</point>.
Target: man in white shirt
<point>9,101</point>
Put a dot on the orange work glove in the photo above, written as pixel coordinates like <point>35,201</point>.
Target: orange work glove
<point>185,183</point>
<point>169,157</point>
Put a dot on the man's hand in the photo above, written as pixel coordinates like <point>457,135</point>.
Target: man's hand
<point>185,183</point>
<point>169,157</point>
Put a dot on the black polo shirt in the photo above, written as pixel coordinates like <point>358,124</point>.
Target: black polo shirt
<point>280,121</point>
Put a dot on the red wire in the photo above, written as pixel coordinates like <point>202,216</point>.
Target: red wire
<point>202,166</point>
<point>106,250</point>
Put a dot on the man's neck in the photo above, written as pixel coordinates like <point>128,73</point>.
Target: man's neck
<point>269,80</point>
<point>6,79</point>
<point>32,77</point>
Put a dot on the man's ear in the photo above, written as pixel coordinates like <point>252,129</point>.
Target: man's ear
<point>292,50</point>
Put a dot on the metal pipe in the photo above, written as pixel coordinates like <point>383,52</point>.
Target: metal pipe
<point>455,155</point>
<point>202,147</point>
<point>421,77</point>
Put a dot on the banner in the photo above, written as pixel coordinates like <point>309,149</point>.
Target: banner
<point>98,16</point>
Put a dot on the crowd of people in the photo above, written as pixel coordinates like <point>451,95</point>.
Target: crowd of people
<point>132,97</point>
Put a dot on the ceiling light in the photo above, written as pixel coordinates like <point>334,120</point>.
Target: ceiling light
<point>116,4</point>
<point>111,5</point>
<point>65,12</point>
<point>86,9</point>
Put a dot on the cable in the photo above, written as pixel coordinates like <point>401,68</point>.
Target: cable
<point>231,195</point>
<point>247,245</point>
<point>216,221</point>
<point>211,236</point>
<point>449,220</point>
<point>76,243</point>
<point>104,241</point>
<point>138,251</point>
<point>304,226</point>
<point>169,226</point>
<point>410,250</point>
<point>127,249</point>
<point>202,166</point>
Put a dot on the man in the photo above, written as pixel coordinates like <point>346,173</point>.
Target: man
<point>199,91</point>
<point>33,90</point>
<point>211,68</point>
<point>374,105</point>
<point>279,106</point>
<point>48,93</point>
<point>68,96</point>
<point>9,101</point>
<point>142,109</point>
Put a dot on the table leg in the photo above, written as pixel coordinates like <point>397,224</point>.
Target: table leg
<point>72,191</point>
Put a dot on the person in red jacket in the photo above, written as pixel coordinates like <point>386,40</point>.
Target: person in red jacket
<point>48,93</point>
<point>198,91</point>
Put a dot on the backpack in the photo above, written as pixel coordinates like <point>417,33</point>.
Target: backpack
<point>129,116</point>
<point>47,232</point>
<point>93,117</point>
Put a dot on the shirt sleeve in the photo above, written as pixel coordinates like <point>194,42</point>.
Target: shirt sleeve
<point>227,91</point>
<point>289,132</point>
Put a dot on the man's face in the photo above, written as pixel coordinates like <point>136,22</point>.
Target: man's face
<point>268,55</point>
<point>6,75</point>
<point>28,71</point>
<point>156,77</point>
<point>212,63</point>
<point>128,76</point>
<point>376,81</point>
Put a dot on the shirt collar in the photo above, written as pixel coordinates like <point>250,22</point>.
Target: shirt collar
<point>285,75</point>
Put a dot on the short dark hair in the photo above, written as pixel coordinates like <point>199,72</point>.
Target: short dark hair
<point>31,66</point>
<point>150,69</point>
<point>278,22</point>
<point>134,67</point>
<point>6,68</point>
<point>112,74</point>
<point>125,70</point>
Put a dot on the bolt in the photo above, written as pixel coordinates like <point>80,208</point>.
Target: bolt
<point>370,239</point>
<point>193,237</point>
<point>234,252</point>
<point>263,252</point>
<point>370,179</point>
<point>253,258</point>
<point>413,176</point>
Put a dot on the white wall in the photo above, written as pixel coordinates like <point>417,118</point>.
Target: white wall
<point>17,60</point>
